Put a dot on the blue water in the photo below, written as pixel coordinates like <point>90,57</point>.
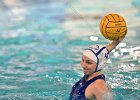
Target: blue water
<point>41,42</point>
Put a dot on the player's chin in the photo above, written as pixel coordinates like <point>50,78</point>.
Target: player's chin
<point>86,72</point>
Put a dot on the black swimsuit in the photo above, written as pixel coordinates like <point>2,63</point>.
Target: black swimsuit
<point>78,90</point>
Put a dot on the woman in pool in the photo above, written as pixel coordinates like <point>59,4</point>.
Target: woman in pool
<point>92,85</point>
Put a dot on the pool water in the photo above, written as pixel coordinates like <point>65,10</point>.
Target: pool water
<point>41,42</point>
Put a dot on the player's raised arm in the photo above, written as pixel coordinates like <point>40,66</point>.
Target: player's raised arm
<point>113,44</point>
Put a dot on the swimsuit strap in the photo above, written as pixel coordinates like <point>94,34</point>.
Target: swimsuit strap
<point>82,89</point>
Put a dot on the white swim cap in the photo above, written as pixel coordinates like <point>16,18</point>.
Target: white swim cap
<point>90,55</point>
<point>98,54</point>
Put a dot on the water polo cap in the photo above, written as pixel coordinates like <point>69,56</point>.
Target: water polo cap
<point>98,54</point>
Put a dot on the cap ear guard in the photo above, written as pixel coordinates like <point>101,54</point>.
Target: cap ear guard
<point>97,60</point>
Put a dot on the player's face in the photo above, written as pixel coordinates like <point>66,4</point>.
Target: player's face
<point>88,65</point>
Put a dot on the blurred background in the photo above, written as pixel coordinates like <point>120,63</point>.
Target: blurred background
<point>41,43</point>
